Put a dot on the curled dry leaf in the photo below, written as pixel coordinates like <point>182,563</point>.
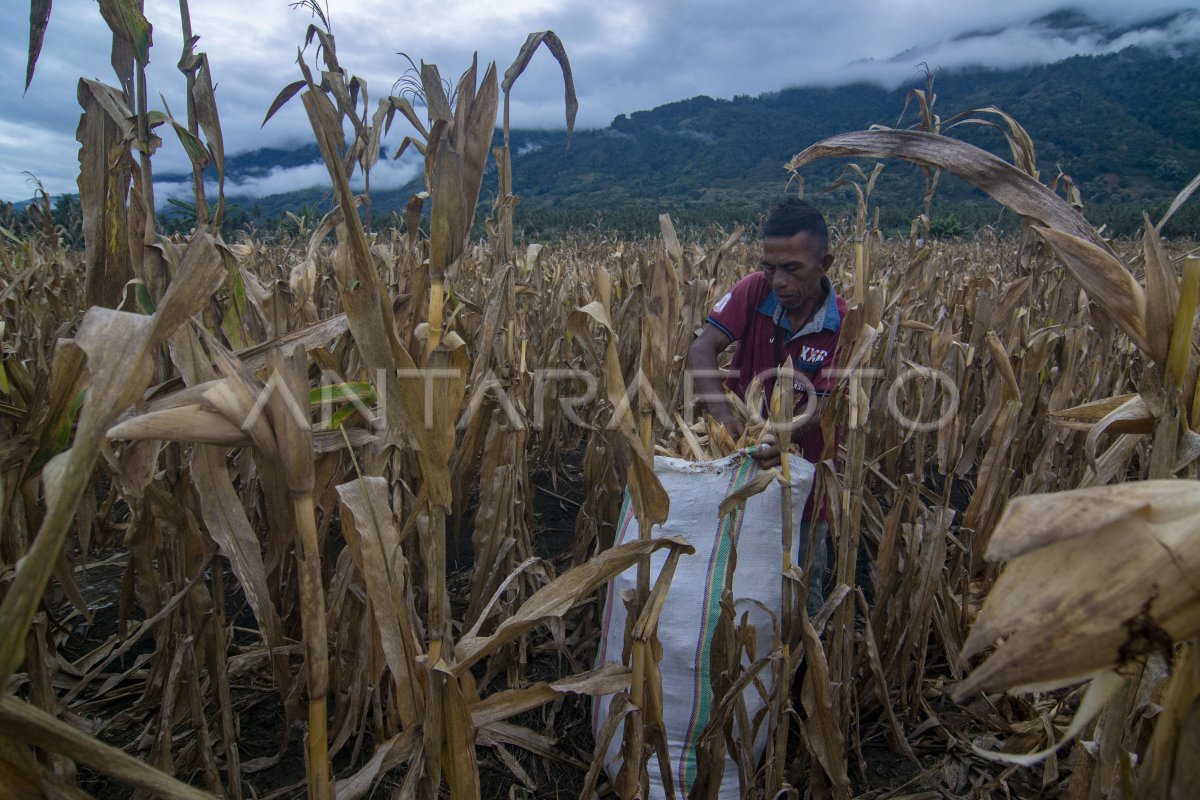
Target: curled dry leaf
<point>1130,416</point>
<point>190,423</point>
<point>605,679</point>
<point>1096,576</point>
<point>1082,417</point>
<point>1162,292</point>
<point>1101,689</point>
<point>555,46</point>
<point>558,596</point>
<point>1107,283</point>
<point>1086,255</point>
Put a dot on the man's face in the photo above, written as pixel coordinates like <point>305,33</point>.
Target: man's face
<point>795,267</point>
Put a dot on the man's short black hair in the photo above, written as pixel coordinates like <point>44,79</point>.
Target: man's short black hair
<point>793,216</point>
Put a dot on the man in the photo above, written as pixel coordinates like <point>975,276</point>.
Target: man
<point>788,308</point>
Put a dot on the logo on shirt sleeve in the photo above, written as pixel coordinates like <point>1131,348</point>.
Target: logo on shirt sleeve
<point>724,301</point>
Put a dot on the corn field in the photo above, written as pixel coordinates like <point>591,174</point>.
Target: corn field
<point>278,519</point>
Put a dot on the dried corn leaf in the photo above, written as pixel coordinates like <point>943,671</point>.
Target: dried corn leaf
<point>608,678</point>
<point>1179,359</point>
<point>19,772</point>
<point>105,169</point>
<point>204,96</point>
<point>1076,583</point>
<point>1012,390</point>
<point>560,595</point>
<point>1171,768</point>
<point>824,738</point>
<point>1131,416</point>
<point>1087,256</point>
<point>374,541</point>
<point>119,348</point>
<point>287,406</point>
<point>1181,198</point>
<point>1084,416</point>
<point>1107,283</point>
<point>1101,689</point>
<point>38,728</point>
<point>39,18</point>
<point>458,742</point>
<point>186,423</point>
<point>555,46</point>
<point>1162,293</point>
<point>737,499</point>
<point>404,748</point>
<point>226,522</point>
<point>661,318</point>
<point>1008,185</point>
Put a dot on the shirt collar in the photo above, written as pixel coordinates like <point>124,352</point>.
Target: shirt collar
<point>827,317</point>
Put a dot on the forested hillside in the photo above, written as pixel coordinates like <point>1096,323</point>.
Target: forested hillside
<point>1125,127</point>
<point>1125,133</point>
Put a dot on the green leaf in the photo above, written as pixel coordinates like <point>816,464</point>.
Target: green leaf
<point>284,95</point>
<point>340,416</point>
<point>206,115</point>
<point>356,393</point>
<point>333,392</point>
<point>60,435</point>
<point>141,295</point>
<point>235,313</point>
<point>195,148</point>
<point>126,20</point>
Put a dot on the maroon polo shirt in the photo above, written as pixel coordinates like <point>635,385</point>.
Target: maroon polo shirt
<point>750,314</point>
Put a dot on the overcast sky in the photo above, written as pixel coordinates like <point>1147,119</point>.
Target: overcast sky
<point>627,55</point>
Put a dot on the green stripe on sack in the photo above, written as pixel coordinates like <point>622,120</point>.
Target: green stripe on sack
<point>702,710</point>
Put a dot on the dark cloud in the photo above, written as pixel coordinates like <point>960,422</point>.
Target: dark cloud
<point>627,55</point>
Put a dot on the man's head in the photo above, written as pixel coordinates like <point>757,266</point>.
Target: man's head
<point>793,216</point>
<point>796,254</point>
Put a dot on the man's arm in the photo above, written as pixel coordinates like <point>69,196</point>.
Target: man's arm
<point>702,360</point>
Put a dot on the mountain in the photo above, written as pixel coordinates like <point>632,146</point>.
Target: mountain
<point>1125,126</point>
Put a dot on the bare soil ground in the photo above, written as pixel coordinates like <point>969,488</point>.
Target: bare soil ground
<point>880,772</point>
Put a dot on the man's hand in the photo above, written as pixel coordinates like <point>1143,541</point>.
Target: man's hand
<point>768,454</point>
<point>702,360</point>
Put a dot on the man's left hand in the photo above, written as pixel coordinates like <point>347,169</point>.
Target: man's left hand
<point>768,453</point>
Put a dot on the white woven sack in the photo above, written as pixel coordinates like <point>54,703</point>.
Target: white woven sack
<point>689,616</point>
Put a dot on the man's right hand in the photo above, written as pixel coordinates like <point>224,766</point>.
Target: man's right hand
<point>702,361</point>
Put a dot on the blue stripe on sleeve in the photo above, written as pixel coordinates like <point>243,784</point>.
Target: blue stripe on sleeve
<point>721,328</point>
